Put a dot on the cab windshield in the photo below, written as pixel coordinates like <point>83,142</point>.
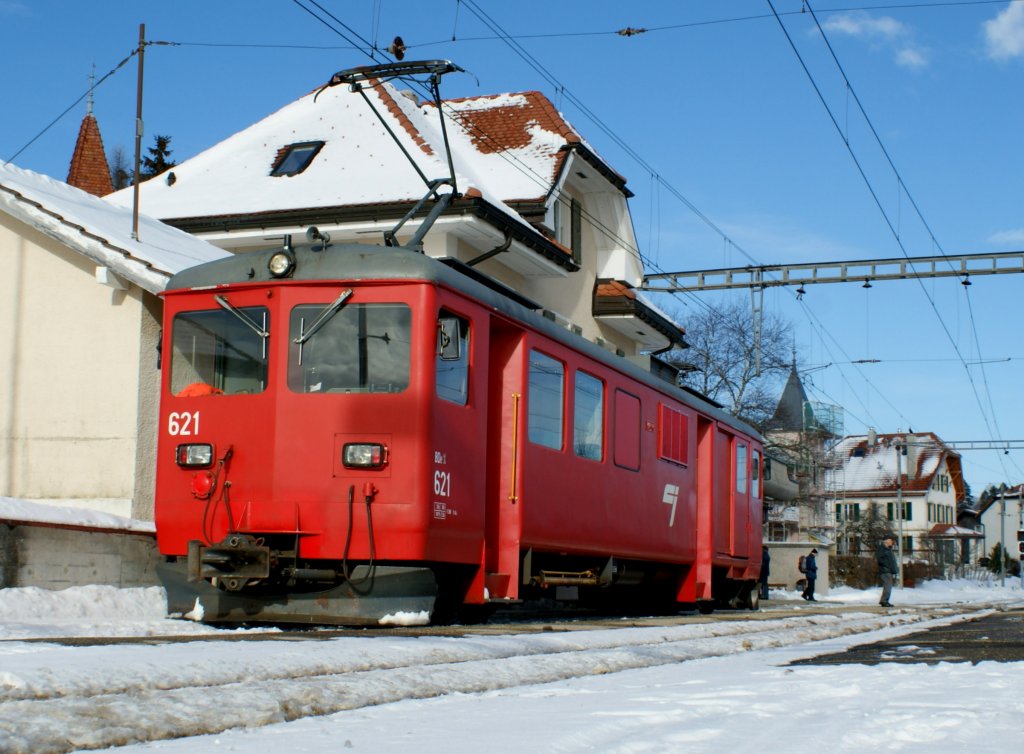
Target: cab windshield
<point>220,351</point>
<point>362,348</point>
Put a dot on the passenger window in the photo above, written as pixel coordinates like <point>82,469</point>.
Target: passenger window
<point>588,417</point>
<point>741,467</point>
<point>755,474</point>
<point>545,400</point>
<point>452,362</point>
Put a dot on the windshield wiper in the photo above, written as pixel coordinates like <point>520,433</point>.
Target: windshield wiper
<point>256,328</point>
<point>324,317</point>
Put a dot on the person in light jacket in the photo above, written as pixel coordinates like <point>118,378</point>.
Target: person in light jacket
<point>887,568</point>
<point>811,572</point>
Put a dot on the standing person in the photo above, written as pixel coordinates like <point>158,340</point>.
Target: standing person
<point>811,572</point>
<point>887,568</point>
<point>766,560</point>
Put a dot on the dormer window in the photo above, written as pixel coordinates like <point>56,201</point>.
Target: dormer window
<point>567,218</point>
<point>295,158</point>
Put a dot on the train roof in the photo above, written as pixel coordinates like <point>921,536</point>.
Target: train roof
<point>364,262</point>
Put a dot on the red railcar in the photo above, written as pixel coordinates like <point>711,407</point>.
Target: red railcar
<point>370,435</point>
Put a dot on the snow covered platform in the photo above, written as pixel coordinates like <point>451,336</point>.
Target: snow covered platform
<point>56,547</point>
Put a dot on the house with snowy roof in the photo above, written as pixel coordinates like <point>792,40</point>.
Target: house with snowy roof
<point>533,206</point>
<point>918,470</point>
<point>996,516</point>
<point>79,332</point>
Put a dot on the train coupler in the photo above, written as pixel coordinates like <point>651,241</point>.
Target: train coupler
<point>234,562</point>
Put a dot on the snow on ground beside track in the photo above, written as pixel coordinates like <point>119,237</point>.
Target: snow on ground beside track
<point>89,611</point>
<point>697,687</point>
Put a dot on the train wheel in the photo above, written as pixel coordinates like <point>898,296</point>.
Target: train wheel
<point>474,615</point>
<point>706,607</point>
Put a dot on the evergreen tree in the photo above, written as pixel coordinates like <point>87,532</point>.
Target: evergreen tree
<point>159,158</point>
<point>998,551</point>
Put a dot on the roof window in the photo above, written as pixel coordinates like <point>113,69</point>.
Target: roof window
<point>295,158</point>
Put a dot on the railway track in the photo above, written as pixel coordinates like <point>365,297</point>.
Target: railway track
<point>158,690</point>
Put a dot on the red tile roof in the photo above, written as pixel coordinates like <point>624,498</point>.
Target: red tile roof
<point>867,469</point>
<point>89,170</point>
<point>499,122</point>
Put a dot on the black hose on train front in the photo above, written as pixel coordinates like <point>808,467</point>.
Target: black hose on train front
<point>348,541</point>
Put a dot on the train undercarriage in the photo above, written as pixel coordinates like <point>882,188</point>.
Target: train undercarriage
<point>246,579</point>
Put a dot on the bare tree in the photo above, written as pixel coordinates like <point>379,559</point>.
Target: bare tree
<point>120,170</point>
<point>722,361</point>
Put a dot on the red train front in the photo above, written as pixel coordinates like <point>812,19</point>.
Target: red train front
<point>368,435</point>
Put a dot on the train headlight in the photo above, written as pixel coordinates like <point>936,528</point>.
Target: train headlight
<point>194,455</point>
<point>363,455</point>
<point>281,264</point>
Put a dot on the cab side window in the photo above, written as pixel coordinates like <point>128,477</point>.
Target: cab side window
<point>452,358</point>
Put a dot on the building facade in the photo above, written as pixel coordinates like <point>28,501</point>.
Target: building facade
<point>531,205</point>
<point>907,485</point>
<point>79,330</point>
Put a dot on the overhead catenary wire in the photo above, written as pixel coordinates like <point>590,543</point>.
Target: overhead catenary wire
<point>542,181</point>
<point>369,47</point>
<point>88,92</point>
<point>630,31</point>
<point>874,194</point>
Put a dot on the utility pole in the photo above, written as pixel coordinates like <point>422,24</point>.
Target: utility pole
<point>138,136</point>
<point>1002,538</point>
<point>900,449</point>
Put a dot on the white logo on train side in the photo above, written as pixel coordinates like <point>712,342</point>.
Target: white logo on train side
<point>671,497</point>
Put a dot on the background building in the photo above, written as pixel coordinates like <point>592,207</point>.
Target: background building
<point>79,329</point>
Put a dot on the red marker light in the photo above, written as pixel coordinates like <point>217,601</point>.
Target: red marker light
<point>202,483</point>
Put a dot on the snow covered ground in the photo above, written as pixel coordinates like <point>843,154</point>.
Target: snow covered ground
<point>698,687</point>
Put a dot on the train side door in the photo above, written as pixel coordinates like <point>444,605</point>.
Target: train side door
<point>696,583</point>
<point>505,436</point>
<point>741,484</point>
<point>722,491</point>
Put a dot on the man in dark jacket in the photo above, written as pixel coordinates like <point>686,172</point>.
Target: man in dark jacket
<point>887,568</point>
<point>811,572</point>
<point>766,560</point>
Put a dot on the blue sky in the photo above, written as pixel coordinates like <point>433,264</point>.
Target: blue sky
<point>717,107</point>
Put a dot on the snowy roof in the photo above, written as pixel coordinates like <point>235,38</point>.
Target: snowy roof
<point>872,468</point>
<point>950,531</point>
<point>1010,493</point>
<point>508,147</point>
<point>101,231</point>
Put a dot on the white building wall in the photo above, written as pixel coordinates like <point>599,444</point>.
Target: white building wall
<point>1007,520</point>
<point>69,390</point>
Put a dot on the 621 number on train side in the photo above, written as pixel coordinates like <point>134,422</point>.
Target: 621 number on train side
<point>183,423</point>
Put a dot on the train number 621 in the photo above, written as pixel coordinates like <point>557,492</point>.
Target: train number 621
<point>183,423</point>
<point>442,483</point>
